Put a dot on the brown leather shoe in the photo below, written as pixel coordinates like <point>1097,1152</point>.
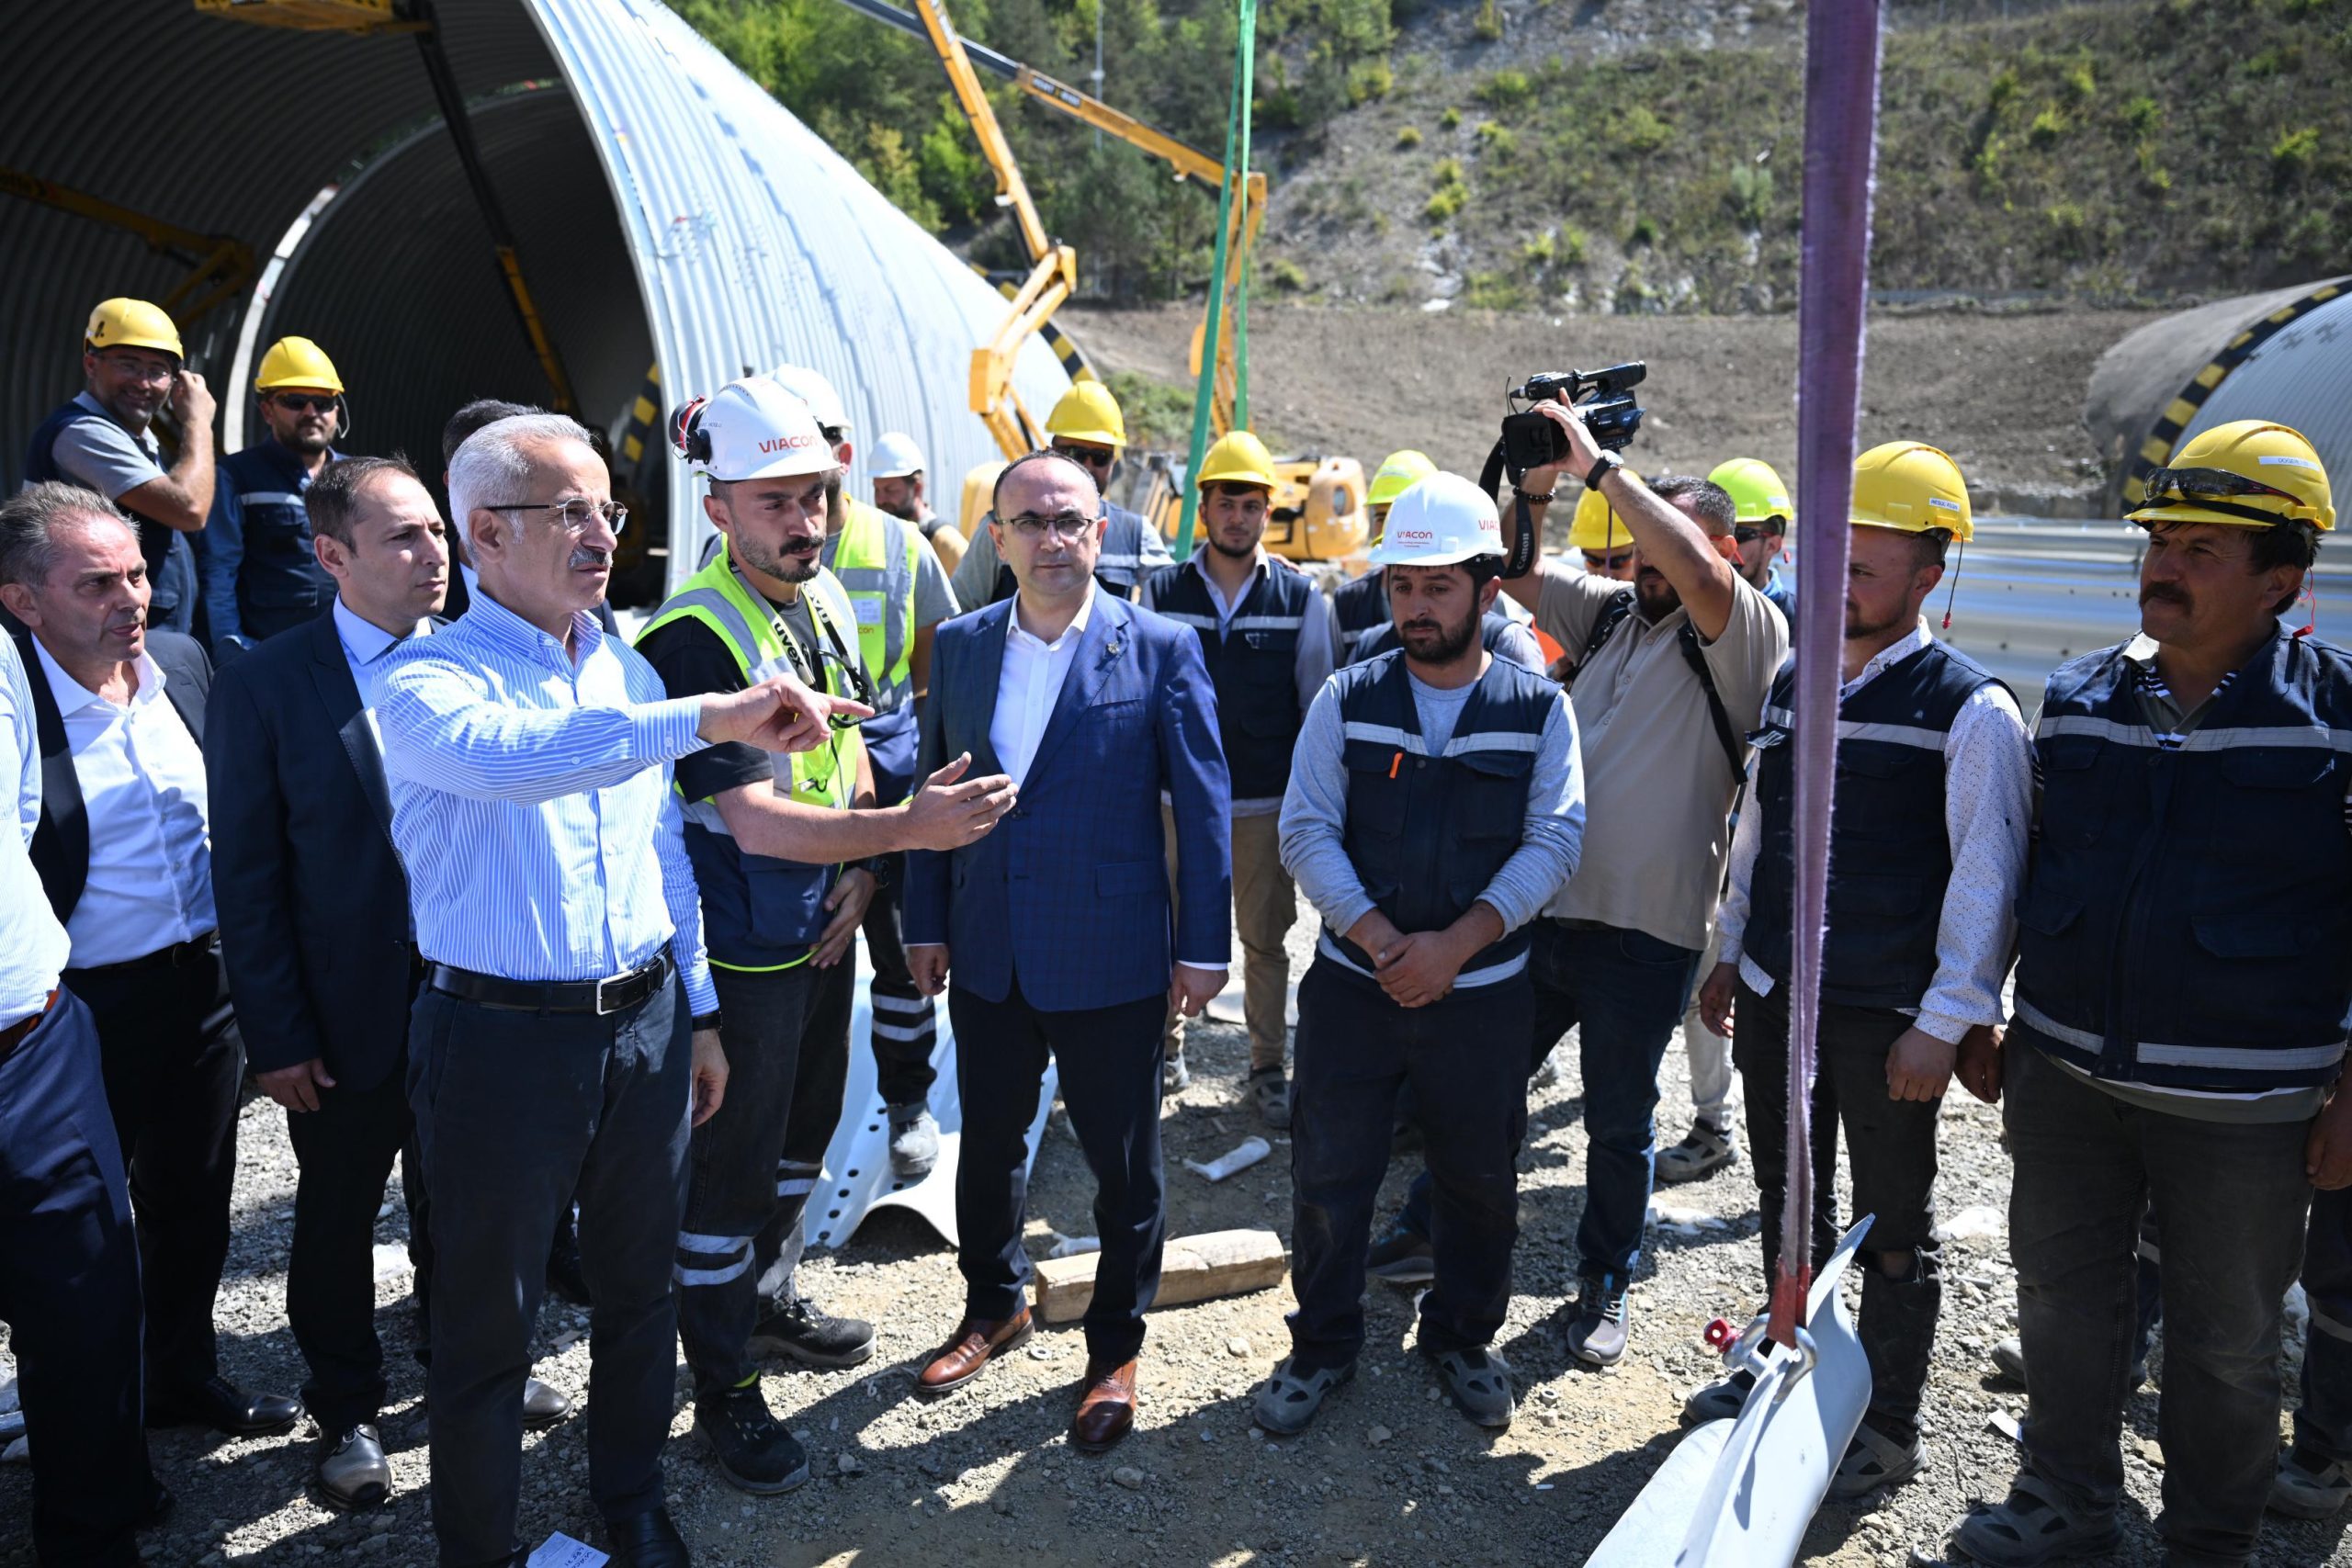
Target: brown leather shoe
<point>975,1343</point>
<point>1106,1407</point>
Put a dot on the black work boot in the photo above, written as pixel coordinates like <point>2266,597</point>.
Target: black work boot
<point>753,1449</point>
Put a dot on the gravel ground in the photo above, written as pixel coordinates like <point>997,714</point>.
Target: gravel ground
<point>1389,1474</point>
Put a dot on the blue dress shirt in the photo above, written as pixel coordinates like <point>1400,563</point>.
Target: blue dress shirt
<point>531,801</point>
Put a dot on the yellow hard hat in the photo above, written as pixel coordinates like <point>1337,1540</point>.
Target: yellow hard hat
<point>297,362</point>
<point>1596,525</point>
<point>1088,412</point>
<point>1238,458</point>
<point>1756,491</point>
<point>1399,472</point>
<point>132,323</point>
<point>2249,472</point>
<point>1910,487</point>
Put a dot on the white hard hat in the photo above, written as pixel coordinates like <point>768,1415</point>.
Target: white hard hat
<point>896,456</point>
<point>1441,520</point>
<point>756,430</point>
<point>816,391</point>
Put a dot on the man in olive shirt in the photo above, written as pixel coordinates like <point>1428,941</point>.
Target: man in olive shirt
<point>1672,675</point>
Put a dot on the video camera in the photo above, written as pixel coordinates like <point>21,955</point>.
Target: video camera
<point>1605,398</point>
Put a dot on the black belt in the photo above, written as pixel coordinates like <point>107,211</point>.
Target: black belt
<point>17,1034</point>
<point>616,993</point>
<point>178,956</point>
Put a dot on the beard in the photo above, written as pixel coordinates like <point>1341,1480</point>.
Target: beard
<point>785,566</point>
<point>1447,644</point>
<point>1230,552</point>
<point>1654,595</point>
<point>1859,624</point>
<point>308,443</point>
<point>904,511</point>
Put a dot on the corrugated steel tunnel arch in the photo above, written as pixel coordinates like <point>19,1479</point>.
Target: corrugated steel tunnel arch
<point>667,212</point>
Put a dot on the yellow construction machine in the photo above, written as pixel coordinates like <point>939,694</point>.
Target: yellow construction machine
<point>1318,512</point>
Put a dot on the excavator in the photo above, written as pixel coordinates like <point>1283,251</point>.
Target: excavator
<point>1318,513</point>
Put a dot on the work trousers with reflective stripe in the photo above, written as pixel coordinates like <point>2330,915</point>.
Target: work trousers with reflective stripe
<point>2323,1421</point>
<point>906,1022</point>
<point>754,1164</point>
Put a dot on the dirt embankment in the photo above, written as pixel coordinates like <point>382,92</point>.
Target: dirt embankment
<point>2002,392</point>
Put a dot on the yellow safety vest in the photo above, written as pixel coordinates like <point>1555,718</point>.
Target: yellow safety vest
<point>876,560</point>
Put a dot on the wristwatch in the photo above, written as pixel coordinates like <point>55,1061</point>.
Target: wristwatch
<point>713,1020</point>
<point>878,867</point>
<point>1609,463</point>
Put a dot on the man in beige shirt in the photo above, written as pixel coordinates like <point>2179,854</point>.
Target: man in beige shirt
<point>1671,675</point>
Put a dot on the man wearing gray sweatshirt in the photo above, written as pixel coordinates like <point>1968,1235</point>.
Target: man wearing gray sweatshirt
<point>1435,805</point>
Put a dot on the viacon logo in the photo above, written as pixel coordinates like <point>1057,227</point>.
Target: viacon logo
<point>788,443</point>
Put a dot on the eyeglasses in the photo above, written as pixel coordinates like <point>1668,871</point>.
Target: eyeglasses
<point>1746,534</point>
<point>2188,484</point>
<point>575,514</point>
<point>131,370</point>
<point>1091,457</point>
<point>299,402</point>
<point>1070,526</point>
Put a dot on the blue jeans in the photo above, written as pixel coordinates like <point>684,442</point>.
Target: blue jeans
<point>1626,990</point>
<point>2230,1204</point>
<point>2324,1423</point>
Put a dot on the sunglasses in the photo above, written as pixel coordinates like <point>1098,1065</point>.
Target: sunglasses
<point>1091,456</point>
<point>303,402</point>
<point>2188,484</point>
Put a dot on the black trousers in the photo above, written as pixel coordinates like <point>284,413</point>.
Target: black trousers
<point>174,1062</point>
<point>755,1163</point>
<point>345,1150</point>
<point>516,1113</point>
<point>1465,1059</point>
<point>906,1023</point>
<point>1109,1059</point>
<point>1891,1146</point>
<point>69,1292</point>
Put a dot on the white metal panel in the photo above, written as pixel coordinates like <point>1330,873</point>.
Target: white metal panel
<point>2300,376</point>
<point>758,244</point>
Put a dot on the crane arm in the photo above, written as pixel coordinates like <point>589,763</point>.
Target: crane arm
<point>1011,189</point>
<point>220,266</point>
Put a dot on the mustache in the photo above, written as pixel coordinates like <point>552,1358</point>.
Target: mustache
<point>2167,593</point>
<point>588,555</point>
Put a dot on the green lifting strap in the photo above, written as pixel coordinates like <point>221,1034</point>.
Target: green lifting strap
<point>1237,140</point>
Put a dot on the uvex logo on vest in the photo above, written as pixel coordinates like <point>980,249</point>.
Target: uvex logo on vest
<point>789,442</point>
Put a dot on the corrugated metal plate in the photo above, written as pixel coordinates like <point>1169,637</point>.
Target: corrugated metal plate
<point>749,241</point>
<point>756,243</point>
<point>2302,376</point>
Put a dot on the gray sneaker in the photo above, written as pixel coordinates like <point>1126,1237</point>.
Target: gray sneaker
<point>914,1142</point>
<point>2309,1487</point>
<point>1270,1091</point>
<point>1478,1381</point>
<point>1702,1149</point>
<point>1596,1335</point>
<point>1721,1400</point>
<point>1175,1077</point>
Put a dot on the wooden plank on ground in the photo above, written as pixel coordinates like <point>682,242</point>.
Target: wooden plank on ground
<point>1193,1269</point>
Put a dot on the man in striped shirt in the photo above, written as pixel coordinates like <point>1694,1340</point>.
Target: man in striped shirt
<point>529,756</point>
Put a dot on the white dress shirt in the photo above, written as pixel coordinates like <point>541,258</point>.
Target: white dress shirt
<point>150,884</point>
<point>1988,809</point>
<point>32,944</point>
<point>1030,684</point>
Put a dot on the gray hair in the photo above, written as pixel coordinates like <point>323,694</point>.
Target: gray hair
<point>29,523</point>
<point>491,461</point>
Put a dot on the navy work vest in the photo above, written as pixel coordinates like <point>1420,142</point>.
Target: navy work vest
<point>1427,833</point>
<point>279,581</point>
<point>1890,855</point>
<point>171,564</point>
<point>2186,918</point>
<point>1254,661</point>
<point>1118,569</point>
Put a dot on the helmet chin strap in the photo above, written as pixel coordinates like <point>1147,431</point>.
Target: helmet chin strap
<point>1955,594</point>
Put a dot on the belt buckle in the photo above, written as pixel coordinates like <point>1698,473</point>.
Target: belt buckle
<point>604,1009</point>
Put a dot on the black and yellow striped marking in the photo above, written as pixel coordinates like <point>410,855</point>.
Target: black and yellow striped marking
<point>644,417</point>
<point>1073,358</point>
<point>2157,448</point>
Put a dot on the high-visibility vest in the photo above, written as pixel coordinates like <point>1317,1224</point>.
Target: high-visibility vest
<point>760,912</point>
<point>873,558</point>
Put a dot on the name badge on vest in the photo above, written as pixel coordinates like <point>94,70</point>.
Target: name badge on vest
<point>869,611</point>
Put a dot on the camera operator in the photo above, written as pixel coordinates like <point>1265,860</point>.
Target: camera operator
<point>1672,673</point>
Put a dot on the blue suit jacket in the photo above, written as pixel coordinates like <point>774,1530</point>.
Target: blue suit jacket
<point>1071,889</point>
